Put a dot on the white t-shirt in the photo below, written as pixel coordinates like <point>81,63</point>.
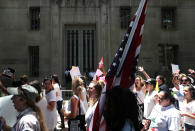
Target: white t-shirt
<point>52,114</point>
<point>165,118</point>
<point>58,91</point>
<point>178,95</point>
<point>149,103</point>
<point>89,113</point>
<point>189,108</point>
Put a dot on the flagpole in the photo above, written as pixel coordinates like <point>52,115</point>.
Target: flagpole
<point>138,14</point>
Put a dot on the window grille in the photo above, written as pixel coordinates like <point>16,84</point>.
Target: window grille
<point>80,48</point>
<point>34,61</point>
<point>168,54</point>
<point>168,17</point>
<point>34,18</point>
<point>125,17</point>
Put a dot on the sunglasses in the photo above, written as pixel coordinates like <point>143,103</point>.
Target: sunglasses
<point>90,88</point>
<point>184,80</point>
<point>161,98</point>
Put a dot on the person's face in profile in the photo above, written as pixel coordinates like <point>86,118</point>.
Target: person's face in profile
<point>186,93</point>
<point>91,89</point>
<point>18,102</point>
<point>162,101</point>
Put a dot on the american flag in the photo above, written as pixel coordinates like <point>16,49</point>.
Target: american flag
<point>123,68</point>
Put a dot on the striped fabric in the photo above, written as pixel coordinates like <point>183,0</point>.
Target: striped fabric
<point>123,68</point>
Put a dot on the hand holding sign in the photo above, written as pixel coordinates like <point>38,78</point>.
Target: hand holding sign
<point>101,63</point>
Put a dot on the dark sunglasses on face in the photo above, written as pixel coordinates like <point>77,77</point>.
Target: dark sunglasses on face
<point>90,88</point>
<point>161,98</point>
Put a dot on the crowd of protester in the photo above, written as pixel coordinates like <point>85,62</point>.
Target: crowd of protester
<point>150,105</point>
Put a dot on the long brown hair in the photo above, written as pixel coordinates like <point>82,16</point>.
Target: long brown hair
<point>98,88</point>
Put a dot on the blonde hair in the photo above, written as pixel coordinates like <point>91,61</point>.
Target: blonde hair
<point>77,85</point>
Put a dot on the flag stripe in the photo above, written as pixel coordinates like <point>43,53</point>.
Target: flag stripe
<point>123,68</point>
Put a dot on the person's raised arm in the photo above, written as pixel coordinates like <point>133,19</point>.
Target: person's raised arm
<point>175,79</point>
<point>191,71</point>
<point>141,69</point>
<point>103,70</point>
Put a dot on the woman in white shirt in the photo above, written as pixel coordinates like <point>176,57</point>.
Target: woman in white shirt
<point>139,91</point>
<point>150,98</point>
<point>59,99</point>
<point>94,89</point>
<point>50,94</point>
<point>164,116</point>
<point>188,111</point>
<point>76,105</point>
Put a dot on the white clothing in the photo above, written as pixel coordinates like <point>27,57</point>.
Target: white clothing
<point>140,96</point>
<point>52,114</point>
<point>149,103</point>
<point>189,108</point>
<point>58,91</point>
<point>42,104</point>
<point>165,118</point>
<point>84,96</point>
<point>27,121</point>
<point>81,105</point>
<point>178,95</point>
<point>89,113</point>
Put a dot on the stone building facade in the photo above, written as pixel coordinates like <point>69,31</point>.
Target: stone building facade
<point>42,37</point>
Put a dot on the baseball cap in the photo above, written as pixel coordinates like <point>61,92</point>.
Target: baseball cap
<point>151,81</point>
<point>26,91</point>
<point>8,72</point>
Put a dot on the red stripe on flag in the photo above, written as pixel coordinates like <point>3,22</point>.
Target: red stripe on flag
<point>128,67</point>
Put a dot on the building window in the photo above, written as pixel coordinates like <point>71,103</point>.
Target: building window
<point>34,61</point>
<point>34,18</point>
<point>80,47</point>
<point>125,16</point>
<point>168,54</point>
<point>168,17</point>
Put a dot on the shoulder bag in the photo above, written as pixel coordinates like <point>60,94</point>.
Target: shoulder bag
<point>77,124</point>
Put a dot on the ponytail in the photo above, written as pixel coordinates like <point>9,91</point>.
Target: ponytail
<point>39,114</point>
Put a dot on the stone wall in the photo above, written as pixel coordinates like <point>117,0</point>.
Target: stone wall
<point>16,36</point>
